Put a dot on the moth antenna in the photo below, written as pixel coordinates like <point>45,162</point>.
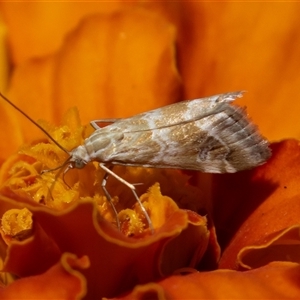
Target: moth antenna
<point>35,123</point>
<point>61,170</point>
<point>60,167</point>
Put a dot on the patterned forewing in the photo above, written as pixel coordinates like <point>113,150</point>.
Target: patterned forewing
<point>173,114</point>
<point>225,141</point>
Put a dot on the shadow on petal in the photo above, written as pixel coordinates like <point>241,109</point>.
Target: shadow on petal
<point>255,220</point>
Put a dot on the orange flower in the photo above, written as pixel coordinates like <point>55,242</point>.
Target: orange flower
<point>74,217</point>
<point>115,60</point>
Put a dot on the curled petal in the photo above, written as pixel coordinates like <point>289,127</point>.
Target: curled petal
<point>284,246</point>
<point>273,281</point>
<point>256,207</point>
<point>82,231</point>
<point>31,256</point>
<point>16,224</point>
<point>195,238</point>
<point>62,281</point>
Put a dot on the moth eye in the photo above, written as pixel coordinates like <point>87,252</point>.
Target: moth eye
<point>79,163</point>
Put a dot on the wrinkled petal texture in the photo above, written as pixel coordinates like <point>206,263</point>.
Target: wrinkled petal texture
<point>71,282</point>
<point>79,222</point>
<point>117,263</point>
<point>259,210</point>
<point>274,281</point>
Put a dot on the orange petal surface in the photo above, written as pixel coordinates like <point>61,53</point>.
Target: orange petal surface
<point>117,263</point>
<point>245,49</point>
<point>62,281</point>
<point>105,67</point>
<point>274,281</point>
<point>36,34</point>
<point>255,207</point>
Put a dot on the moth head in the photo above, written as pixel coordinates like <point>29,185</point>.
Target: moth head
<point>78,163</point>
<point>79,157</point>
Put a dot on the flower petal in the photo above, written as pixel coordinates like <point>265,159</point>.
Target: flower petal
<point>253,208</point>
<point>105,67</point>
<point>247,48</point>
<point>274,281</point>
<point>195,238</point>
<point>41,35</point>
<point>62,281</point>
<point>285,246</point>
<point>81,231</point>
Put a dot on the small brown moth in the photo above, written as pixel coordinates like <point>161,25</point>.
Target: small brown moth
<point>208,134</point>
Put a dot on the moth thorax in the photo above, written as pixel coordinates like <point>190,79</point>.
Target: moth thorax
<point>100,145</point>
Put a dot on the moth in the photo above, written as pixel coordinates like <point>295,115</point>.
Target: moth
<point>208,134</point>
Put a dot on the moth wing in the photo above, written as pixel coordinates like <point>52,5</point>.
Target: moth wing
<point>223,142</point>
<point>97,124</point>
<point>173,114</point>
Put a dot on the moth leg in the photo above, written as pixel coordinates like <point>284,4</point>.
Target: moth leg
<point>51,188</point>
<point>131,186</point>
<point>96,126</point>
<point>109,199</point>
